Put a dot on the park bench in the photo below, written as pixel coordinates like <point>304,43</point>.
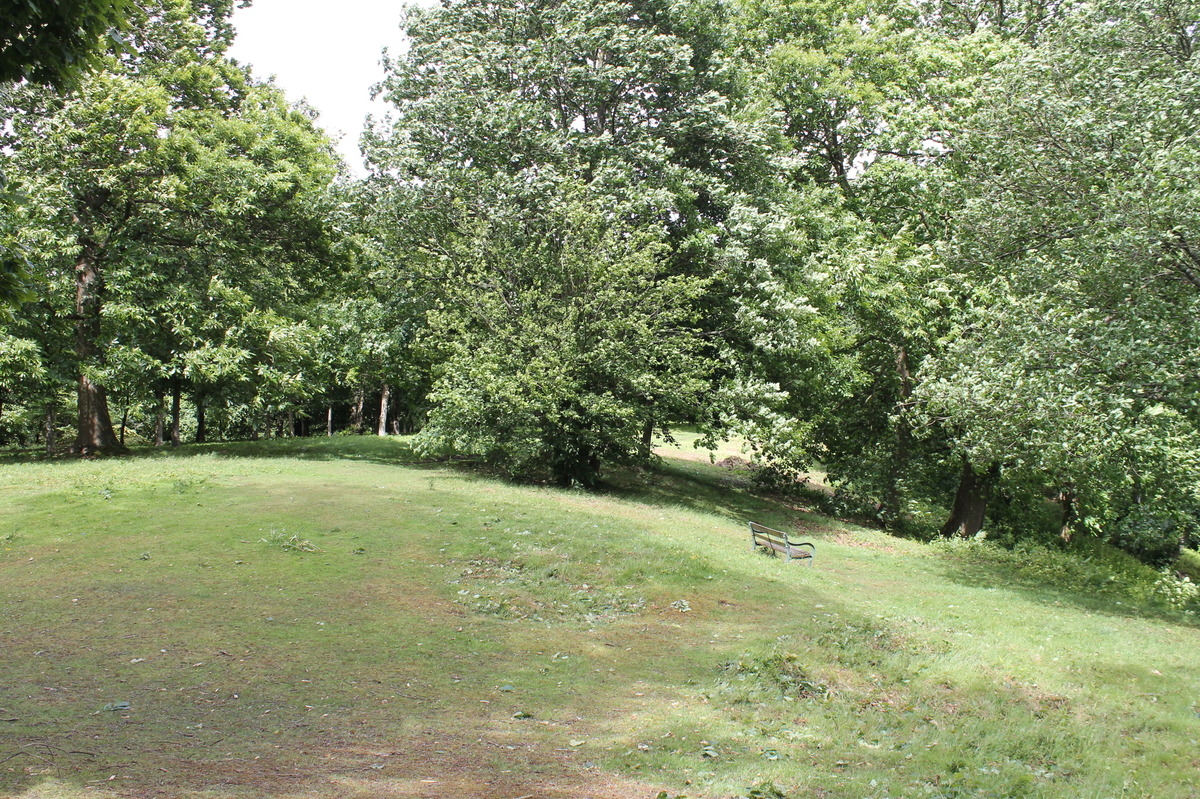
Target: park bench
<point>777,543</point>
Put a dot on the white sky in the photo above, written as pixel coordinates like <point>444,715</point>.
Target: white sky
<point>325,52</point>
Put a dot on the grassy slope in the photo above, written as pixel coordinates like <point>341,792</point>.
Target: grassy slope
<point>647,644</point>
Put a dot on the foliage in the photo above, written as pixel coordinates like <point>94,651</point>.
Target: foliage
<point>1154,537</point>
<point>562,343</point>
<point>179,195</point>
<point>1091,568</point>
<point>52,41</point>
<point>1178,592</point>
<point>1075,359</point>
<point>512,125</point>
<point>866,97</point>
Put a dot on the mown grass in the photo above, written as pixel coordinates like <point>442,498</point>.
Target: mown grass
<point>325,618</point>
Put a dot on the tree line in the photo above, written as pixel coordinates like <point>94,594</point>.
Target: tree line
<point>946,251</point>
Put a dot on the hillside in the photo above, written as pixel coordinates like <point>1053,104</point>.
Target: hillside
<point>331,618</point>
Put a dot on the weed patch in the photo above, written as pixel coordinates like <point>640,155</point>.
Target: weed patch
<point>771,675</point>
<point>289,543</point>
<point>511,589</point>
<point>1092,569</point>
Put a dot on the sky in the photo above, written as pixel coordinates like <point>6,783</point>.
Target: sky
<point>327,53</point>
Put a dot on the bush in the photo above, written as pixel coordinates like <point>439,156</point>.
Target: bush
<point>1189,564</point>
<point>1178,592</point>
<point>1151,536</point>
<point>1089,568</point>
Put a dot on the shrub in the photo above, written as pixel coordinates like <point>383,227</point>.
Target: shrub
<point>1089,567</point>
<point>1189,564</point>
<point>1151,536</point>
<point>1178,592</point>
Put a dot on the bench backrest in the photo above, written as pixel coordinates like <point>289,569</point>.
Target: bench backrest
<point>778,541</point>
<point>766,533</point>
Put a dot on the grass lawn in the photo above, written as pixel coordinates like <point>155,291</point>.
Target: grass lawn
<point>331,618</point>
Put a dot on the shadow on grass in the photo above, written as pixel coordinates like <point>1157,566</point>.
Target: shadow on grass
<point>708,488</point>
<point>390,450</point>
<point>668,483</point>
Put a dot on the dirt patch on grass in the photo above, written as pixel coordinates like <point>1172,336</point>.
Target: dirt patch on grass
<point>435,765</point>
<point>853,540</point>
<point>428,764</point>
<point>736,463</point>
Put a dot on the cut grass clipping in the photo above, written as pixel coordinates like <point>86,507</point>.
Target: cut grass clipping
<point>289,543</point>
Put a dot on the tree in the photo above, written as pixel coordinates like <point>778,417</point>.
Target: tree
<point>370,320</point>
<point>623,105</point>
<point>1077,360</point>
<point>865,97</point>
<point>53,41</point>
<point>21,370</point>
<point>567,341</point>
<point>168,167</point>
<point>1021,19</point>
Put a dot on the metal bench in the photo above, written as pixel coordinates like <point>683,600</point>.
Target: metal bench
<point>777,543</point>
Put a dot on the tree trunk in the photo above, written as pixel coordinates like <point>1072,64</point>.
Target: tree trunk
<point>51,428</point>
<point>160,421</point>
<point>201,419</point>
<point>1066,500</point>
<point>124,423</point>
<point>892,510</point>
<point>96,435</point>
<point>384,399</point>
<point>356,410</point>
<point>970,502</point>
<point>648,436</point>
<point>329,421</point>
<point>176,398</point>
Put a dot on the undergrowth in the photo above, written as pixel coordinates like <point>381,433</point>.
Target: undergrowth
<point>1088,568</point>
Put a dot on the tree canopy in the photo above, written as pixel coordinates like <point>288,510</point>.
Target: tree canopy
<point>53,41</point>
